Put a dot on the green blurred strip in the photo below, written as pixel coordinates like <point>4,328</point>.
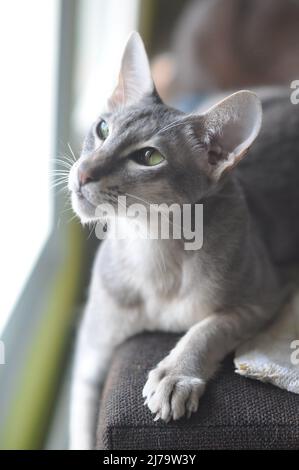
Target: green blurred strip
<point>148,10</point>
<point>30,408</point>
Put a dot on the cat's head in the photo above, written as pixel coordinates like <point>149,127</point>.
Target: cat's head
<point>143,149</point>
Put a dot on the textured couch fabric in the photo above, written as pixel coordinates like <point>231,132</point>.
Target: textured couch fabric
<point>234,413</point>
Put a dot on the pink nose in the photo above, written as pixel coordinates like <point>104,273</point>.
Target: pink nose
<point>85,176</point>
<point>88,172</point>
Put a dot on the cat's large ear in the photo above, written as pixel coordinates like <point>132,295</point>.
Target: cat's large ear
<point>230,127</point>
<point>135,78</point>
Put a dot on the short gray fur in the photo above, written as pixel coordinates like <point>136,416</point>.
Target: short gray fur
<point>221,294</point>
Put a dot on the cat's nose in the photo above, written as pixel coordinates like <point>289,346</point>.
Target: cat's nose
<point>87,174</point>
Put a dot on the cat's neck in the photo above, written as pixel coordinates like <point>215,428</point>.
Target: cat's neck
<point>224,211</point>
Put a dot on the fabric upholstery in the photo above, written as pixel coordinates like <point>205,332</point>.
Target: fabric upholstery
<point>234,413</point>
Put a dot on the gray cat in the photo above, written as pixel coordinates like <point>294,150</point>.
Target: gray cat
<point>221,294</point>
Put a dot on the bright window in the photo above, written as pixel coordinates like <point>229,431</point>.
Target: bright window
<point>103,29</point>
<point>28,51</point>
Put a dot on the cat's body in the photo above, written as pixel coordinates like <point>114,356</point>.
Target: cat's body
<point>269,178</point>
<point>222,293</point>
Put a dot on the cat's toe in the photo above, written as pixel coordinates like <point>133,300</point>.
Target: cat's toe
<point>193,400</point>
<point>154,378</point>
<point>185,396</point>
<point>159,401</point>
<point>173,396</point>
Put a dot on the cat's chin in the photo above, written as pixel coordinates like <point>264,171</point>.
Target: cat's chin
<point>84,209</point>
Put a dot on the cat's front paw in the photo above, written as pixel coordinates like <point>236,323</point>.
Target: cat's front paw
<point>171,395</point>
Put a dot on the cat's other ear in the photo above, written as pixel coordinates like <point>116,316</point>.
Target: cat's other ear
<point>135,80</point>
<point>230,127</point>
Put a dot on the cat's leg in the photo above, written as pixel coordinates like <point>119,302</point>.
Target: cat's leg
<point>103,327</point>
<point>174,387</point>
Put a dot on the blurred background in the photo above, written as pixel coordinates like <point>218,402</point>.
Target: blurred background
<point>59,62</point>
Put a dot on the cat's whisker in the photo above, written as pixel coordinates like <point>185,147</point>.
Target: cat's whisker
<point>67,202</point>
<point>62,190</point>
<point>93,226</point>
<point>72,152</point>
<point>62,159</point>
<point>59,178</point>
<point>59,183</point>
<point>58,173</point>
<point>179,122</point>
<point>169,126</point>
<point>56,178</point>
<point>67,209</point>
<point>138,199</point>
<point>63,169</point>
<point>69,162</point>
<point>74,217</point>
<point>162,259</point>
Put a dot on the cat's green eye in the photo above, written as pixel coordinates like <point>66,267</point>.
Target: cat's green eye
<point>148,157</point>
<point>102,130</point>
<point>153,157</point>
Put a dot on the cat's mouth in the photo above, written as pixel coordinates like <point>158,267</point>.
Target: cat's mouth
<point>80,195</point>
<point>89,211</point>
<point>82,206</point>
